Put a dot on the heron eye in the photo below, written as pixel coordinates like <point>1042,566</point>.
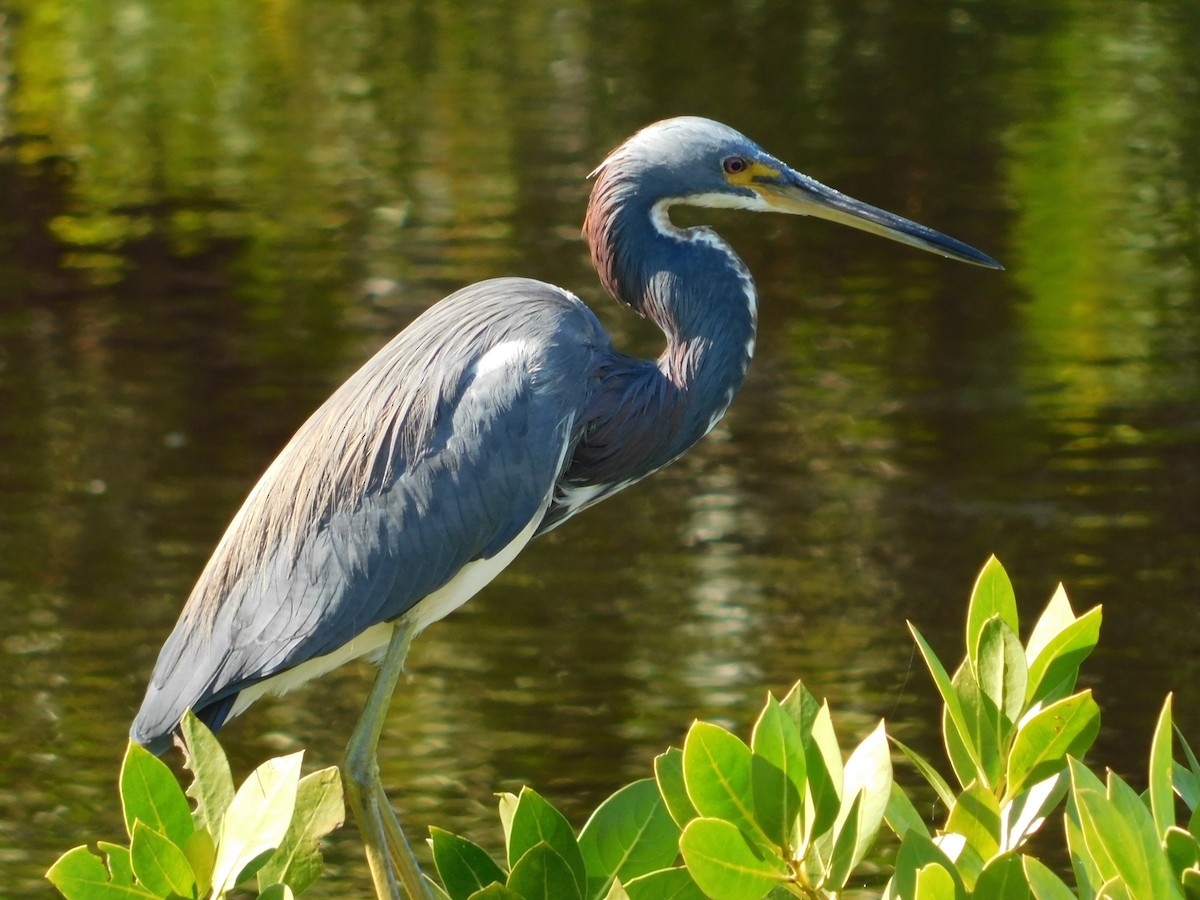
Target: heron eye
<point>734,164</point>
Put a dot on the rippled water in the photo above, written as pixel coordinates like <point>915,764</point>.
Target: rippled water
<point>211,214</point>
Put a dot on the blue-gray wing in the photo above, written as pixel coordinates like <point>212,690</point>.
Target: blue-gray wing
<point>442,450</point>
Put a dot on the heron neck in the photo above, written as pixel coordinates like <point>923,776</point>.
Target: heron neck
<point>697,290</point>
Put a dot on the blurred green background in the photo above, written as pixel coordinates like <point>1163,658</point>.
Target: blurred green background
<point>211,213</point>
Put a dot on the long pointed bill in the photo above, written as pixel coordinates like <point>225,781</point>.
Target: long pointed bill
<point>790,192</point>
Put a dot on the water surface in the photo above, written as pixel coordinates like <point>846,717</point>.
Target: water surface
<point>211,214</point>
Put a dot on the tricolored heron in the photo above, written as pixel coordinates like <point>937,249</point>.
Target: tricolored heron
<point>494,417</point>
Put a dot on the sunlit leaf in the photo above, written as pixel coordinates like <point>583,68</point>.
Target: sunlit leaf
<point>1133,811</point>
<point>1162,794</point>
<point>665,884</point>
<point>1044,884</point>
<point>1003,878</point>
<point>976,816</point>
<point>257,819</point>
<point>868,773</point>
<point>212,781</point>
<point>823,767</point>
<point>81,875</point>
<point>933,882</point>
<point>1054,618</point>
<point>916,852</point>
<point>1044,741</point>
<point>630,834</point>
<point>983,733</point>
<point>159,864</point>
<point>1182,848</point>
<point>778,772</point>
<point>1024,814</point>
<point>201,851</point>
<point>496,892</point>
<point>991,596</point>
<point>541,872</point>
<point>319,809</point>
<point>716,768</point>
<point>723,864</point>
<point>277,892</point>
<point>1053,672</point>
<point>928,772</point>
<point>1088,877</point>
<point>463,866</point>
<point>952,705</point>
<point>536,821</point>
<point>845,843</point>
<point>668,772</point>
<point>1112,829</point>
<point>901,815</point>
<point>149,792</point>
<point>1001,674</point>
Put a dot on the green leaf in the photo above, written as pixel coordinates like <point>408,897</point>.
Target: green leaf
<point>1131,808</point>
<point>983,736</point>
<point>1115,889</point>
<point>536,821</point>
<point>81,875</point>
<point>541,873</point>
<point>257,819</point>
<point>1118,834</point>
<point>1044,884</point>
<point>665,884</point>
<point>778,773</point>
<point>723,864</point>
<point>119,863</point>
<point>150,792</point>
<point>1054,618</point>
<point>463,866</point>
<point>991,596</point>
<point>1001,674</point>
<point>933,883</point>
<point>1053,671</point>
<point>1044,740</point>
<point>929,773</point>
<point>158,864</point>
<point>630,834</point>
<point>201,853</point>
<point>1087,874</point>
<point>1003,878</point>
<point>212,782</point>
<point>916,852</point>
<point>277,892</point>
<point>496,892</point>
<point>1162,795</point>
<point>1023,815</point>
<point>901,815</point>
<point>716,769</point>
<point>868,773</point>
<point>845,843</point>
<point>823,766</point>
<point>952,706</point>
<point>976,816</point>
<point>318,810</point>
<point>1191,883</point>
<point>1183,850</point>
<point>668,772</point>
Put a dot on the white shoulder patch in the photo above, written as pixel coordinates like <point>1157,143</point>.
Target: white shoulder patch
<point>501,356</point>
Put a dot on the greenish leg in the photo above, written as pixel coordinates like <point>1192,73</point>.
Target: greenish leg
<point>389,855</point>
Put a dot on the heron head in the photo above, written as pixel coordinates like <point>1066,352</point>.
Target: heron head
<point>698,162</point>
